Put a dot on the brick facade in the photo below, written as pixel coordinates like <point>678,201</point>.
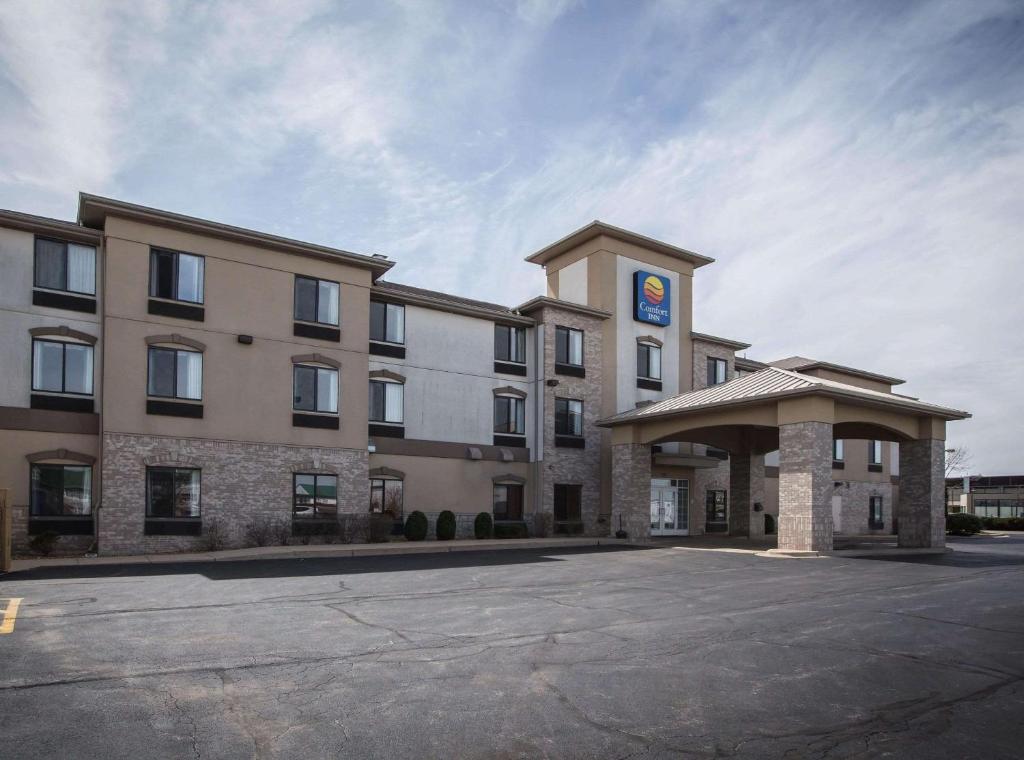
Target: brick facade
<point>239,483</point>
<point>921,511</point>
<point>805,487</point>
<point>856,508</point>
<point>746,489</point>
<point>631,490</point>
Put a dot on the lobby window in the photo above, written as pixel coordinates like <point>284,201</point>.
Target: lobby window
<point>387,402</point>
<point>510,344</point>
<point>568,346</point>
<point>59,490</point>
<point>172,492</point>
<point>568,417</point>
<point>68,267</point>
<point>568,508</point>
<point>316,300</point>
<point>875,456</point>
<point>509,415</point>
<point>59,367</point>
<point>648,361</point>
<point>508,501</point>
<point>875,519</point>
<point>175,373</point>
<point>718,371</point>
<point>837,450</point>
<point>176,276</point>
<point>387,495</point>
<point>387,322</point>
<point>314,496</point>
<point>314,389</point>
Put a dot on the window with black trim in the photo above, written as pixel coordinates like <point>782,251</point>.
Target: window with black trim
<point>314,496</point>
<point>648,361</point>
<point>387,496</point>
<point>875,519</point>
<point>68,267</point>
<point>387,402</point>
<point>718,371</point>
<point>568,417</point>
<point>176,276</point>
<point>314,389</point>
<point>60,490</point>
<point>316,300</point>
<point>568,506</point>
<point>568,346</point>
<point>509,415</point>
<point>837,450</point>
<point>875,452</point>
<point>387,322</point>
<point>60,367</point>
<point>508,501</point>
<point>173,492</point>
<point>510,344</point>
<point>175,373</point>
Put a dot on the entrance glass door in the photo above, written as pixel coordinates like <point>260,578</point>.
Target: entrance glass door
<point>717,512</point>
<point>670,507</point>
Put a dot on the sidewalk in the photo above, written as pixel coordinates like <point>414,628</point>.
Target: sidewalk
<point>323,550</point>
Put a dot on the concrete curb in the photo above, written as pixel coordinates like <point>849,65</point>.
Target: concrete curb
<point>321,551</point>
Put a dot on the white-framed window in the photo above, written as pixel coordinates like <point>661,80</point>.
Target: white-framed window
<point>648,361</point>
<point>387,402</point>
<point>314,389</point>
<point>70,267</point>
<point>316,300</point>
<point>175,373</point>
<point>62,367</point>
<point>387,322</point>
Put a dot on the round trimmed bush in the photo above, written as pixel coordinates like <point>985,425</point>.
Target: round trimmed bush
<point>416,526</point>
<point>483,525</point>
<point>963,524</point>
<point>446,525</point>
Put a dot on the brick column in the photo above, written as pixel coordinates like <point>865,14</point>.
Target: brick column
<point>631,490</point>
<point>805,487</point>
<point>922,521</point>
<point>746,488</point>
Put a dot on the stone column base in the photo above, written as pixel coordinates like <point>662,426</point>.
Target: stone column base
<point>631,490</point>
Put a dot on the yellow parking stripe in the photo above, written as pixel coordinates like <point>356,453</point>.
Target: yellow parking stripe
<point>10,613</point>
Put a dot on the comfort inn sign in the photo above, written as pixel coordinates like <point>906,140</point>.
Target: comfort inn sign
<point>652,299</point>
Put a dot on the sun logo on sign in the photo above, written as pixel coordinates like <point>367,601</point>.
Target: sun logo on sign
<point>654,291</point>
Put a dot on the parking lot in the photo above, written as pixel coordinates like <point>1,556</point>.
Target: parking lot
<point>596,652</point>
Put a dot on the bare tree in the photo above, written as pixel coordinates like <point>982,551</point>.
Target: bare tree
<point>958,460</point>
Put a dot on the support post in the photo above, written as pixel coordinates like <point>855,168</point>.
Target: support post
<point>746,488</point>
<point>921,508</point>
<point>805,487</point>
<point>631,490</point>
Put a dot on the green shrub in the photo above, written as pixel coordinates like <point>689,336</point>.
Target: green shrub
<point>44,543</point>
<point>380,527</point>
<point>963,524</point>
<point>483,525</point>
<point>416,526</point>
<point>1003,523</point>
<point>510,530</point>
<point>446,526</point>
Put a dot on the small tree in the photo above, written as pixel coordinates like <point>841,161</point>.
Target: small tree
<point>446,525</point>
<point>483,525</point>
<point>416,526</point>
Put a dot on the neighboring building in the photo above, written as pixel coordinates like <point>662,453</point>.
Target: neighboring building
<point>986,496</point>
<point>164,372</point>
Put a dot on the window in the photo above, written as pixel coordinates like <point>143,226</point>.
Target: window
<point>568,503</point>
<point>875,452</point>
<point>568,417</point>
<point>837,450</point>
<point>387,322</point>
<point>65,266</point>
<point>648,361</point>
<point>387,495</point>
<point>175,373</point>
<point>875,520</point>
<point>508,501</point>
<point>176,276</point>
<point>60,490</point>
<point>569,346</point>
<point>314,389</point>
<point>314,496</point>
<point>717,371</point>
<point>510,344</point>
<point>387,402</point>
<point>509,415</point>
<point>172,492</point>
<point>61,367</point>
<point>316,300</point>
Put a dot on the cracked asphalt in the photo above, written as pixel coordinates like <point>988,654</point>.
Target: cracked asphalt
<point>596,652</point>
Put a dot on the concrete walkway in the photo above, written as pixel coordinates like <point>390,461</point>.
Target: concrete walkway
<point>323,550</point>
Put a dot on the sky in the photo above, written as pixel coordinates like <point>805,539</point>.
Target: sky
<point>855,168</point>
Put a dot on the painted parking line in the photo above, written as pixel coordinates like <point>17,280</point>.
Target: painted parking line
<point>10,613</point>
